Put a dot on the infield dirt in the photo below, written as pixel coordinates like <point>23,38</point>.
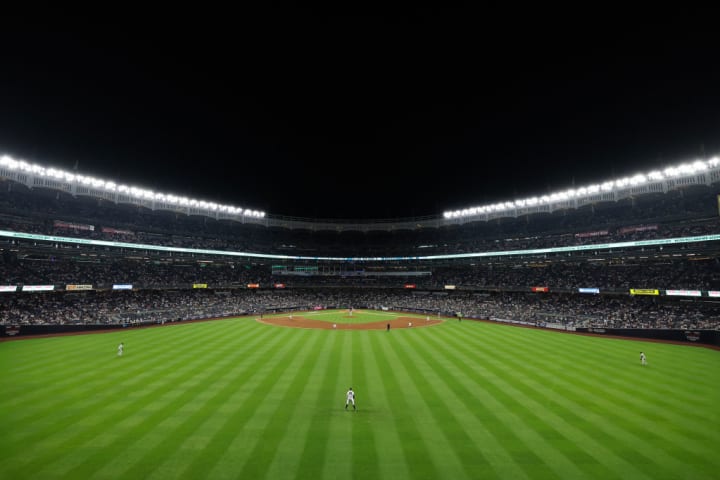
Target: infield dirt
<point>304,322</point>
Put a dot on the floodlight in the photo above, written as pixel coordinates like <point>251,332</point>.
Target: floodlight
<point>699,165</point>
<point>685,168</point>
<point>638,179</point>
<point>623,182</point>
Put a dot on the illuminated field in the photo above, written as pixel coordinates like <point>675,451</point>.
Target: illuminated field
<point>343,316</point>
<point>462,400</point>
<point>345,320</point>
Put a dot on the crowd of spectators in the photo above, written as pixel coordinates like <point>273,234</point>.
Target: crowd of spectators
<point>673,214</point>
<point>678,273</point>
<point>139,273</point>
<point>617,276</point>
<point>163,285</point>
<point>148,306</point>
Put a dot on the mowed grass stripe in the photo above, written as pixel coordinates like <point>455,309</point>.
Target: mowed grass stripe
<point>338,443</point>
<point>507,389</point>
<point>62,354</point>
<point>326,404</point>
<point>225,451</point>
<point>365,457</point>
<point>432,430</point>
<point>286,460</point>
<point>620,391</point>
<point>221,421</point>
<point>514,408</point>
<point>636,411</point>
<point>135,423</point>
<point>626,417</point>
<point>412,349</point>
<point>620,355</point>
<point>464,397</point>
<point>616,381</point>
<point>625,442</point>
<point>70,421</point>
<point>539,459</point>
<point>46,363</point>
<point>83,422</point>
<point>273,417</point>
<point>46,353</point>
<point>672,361</point>
<point>376,412</point>
<point>416,448</point>
<point>522,375</point>
<point>215,416</point>
<point>187,430</point>
<point>603,365</point>
<point>450,369</point>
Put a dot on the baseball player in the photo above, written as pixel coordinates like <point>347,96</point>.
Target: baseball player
<point>350,398</point>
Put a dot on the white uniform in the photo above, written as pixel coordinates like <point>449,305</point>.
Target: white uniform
<point>643,360</point>
<point>350,398</point>
<point>120,350</point>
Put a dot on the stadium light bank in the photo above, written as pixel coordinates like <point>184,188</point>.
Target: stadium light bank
<point>684,174</point>
<point>74,179</point>
<point>682,170</point>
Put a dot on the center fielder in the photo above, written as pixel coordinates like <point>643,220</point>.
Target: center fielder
<point>350,398</point>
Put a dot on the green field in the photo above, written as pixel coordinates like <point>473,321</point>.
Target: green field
<point>462,400</point>
<point>358,316</point>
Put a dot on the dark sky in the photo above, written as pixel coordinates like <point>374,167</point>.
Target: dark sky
<point>347,115</point>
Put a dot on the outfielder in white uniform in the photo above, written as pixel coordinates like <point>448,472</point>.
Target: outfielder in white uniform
<point>350,398</point>
<point>643,360</point>
<point>120,350</point>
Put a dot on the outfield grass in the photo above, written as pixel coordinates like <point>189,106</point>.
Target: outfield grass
<point>240,399</point>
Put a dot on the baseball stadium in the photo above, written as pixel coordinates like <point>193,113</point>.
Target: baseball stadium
<point>573,335</point>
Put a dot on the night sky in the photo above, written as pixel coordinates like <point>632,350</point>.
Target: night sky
<point>331,115</point>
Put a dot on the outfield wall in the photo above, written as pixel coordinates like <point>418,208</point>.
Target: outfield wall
<point>705,337</point>
<point>9,331</point>
<point>30,330</point>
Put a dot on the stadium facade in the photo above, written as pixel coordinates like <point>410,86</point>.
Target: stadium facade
<point>647,245</point>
